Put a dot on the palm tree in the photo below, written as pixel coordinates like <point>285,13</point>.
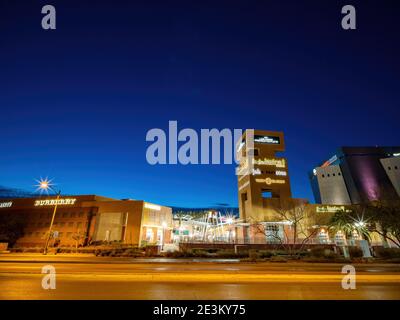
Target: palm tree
<point>348,223</point>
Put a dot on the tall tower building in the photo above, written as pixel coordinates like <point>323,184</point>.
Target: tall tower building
<point>263,178</point>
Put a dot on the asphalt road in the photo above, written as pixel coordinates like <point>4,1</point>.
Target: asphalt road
<point>88,278</point>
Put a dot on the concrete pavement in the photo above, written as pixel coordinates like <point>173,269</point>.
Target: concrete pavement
<point>128,280</point>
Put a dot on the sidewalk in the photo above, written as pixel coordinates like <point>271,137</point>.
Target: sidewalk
<point>91,258</point>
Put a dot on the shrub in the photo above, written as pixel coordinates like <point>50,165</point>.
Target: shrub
<point>322,253</point>
<point>387,253</point>
<point>278,259</point>
<point>130,252</point>
<point>229,254</point>
<point>185,253</point>
<point>198,252</point>
<point>254,255</point>
<point>355,252</point>
<point>266,254</point>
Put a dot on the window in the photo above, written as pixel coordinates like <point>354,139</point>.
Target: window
<point>266,194</point>
<point>72,214</point>
<point>149,234</point>
<point>395,167</point>
<point>323,176</point>
<point>333,174</point>
<point>69,235</point>
<point>79,225</point>
<point>389,168</point>
<point>329,175</point>
<point>62,224</point>
<point>80,214</point>
<point>272,228</point>
<point>339,174</point>
<point>253,152</point>
<point>70,224</point>
<point>65,215</point>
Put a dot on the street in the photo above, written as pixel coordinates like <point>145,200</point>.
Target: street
<point>108,278</point>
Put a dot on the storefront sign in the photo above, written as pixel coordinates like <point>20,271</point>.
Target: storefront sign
<point>266,139</point>
<point>329,162</point>
<point>281,173</point>
<point>331,209</point>
<point>271,181</point>
<point>6,204</point>
<point>152,206</point>
<point>279,163</point>
<point>53,202</point>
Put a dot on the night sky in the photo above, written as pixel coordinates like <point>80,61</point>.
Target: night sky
<point>76,102</point>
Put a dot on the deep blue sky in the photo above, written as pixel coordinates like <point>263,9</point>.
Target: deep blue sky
<point>76,103</point>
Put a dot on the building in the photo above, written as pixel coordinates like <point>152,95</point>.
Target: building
<point>356,175</point>
<point>263,182</point>
<point>86,219</point>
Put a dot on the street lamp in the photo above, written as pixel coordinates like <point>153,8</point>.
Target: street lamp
<point>45,185</point>
<point>164,225</point>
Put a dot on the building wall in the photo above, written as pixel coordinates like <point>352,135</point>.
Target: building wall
<point>364,176</point>
<point>157,224</point>
<point>332,187</point>
<point>87,219</point>
<point>109,226</point>
<point>392,169</point>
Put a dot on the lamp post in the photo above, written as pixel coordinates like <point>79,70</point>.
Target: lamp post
<point>45,185</point>
<point>164,225</point>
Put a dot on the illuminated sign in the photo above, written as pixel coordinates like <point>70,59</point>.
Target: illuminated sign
<point>53,202</point>
<point>271,181</point>
<point>279,163</point>
<point>152,206</point>
<point>266,139</point>
<point>331,209</point>
<point>396,154</point>
<point>330,161</point>
<point>281,173</point>
<point>256,172</point>
<point>5,204</point>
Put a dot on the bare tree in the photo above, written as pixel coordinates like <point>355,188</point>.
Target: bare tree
<point>302,225</point>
